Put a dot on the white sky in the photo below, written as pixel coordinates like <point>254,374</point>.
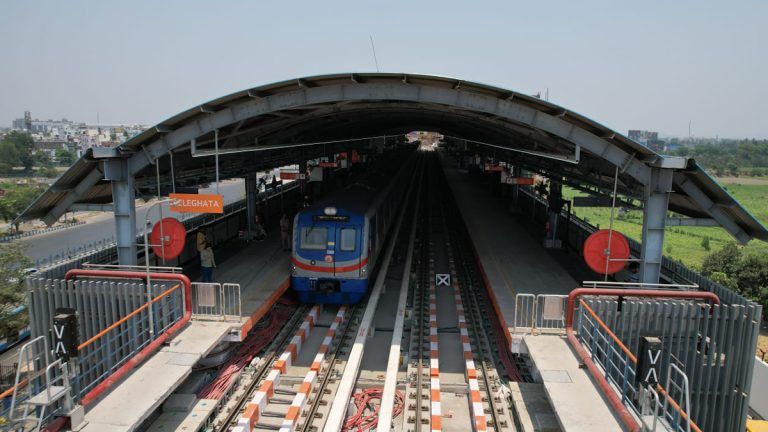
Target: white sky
<point>643,64</point>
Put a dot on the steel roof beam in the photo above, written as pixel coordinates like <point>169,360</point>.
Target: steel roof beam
<point>73,196</point>
<point>717,213</point>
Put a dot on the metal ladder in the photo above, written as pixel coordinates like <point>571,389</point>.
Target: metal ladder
<point>43,391</point>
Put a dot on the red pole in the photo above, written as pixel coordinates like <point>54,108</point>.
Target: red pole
<point>597,375</point>
<point>96,392</point>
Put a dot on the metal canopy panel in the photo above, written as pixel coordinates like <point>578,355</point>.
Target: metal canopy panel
<point>364,105</point>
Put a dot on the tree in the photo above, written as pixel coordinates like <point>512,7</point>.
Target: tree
<point>64,157</point>
<point>16,199</point>
<point>9,155</point>
<point>723,279</point>
<point>752,274</point>
<point>48,172</point>
<point>726,260</point>
<point>13,264</point>
<point>42,159</point>
<point>24,145</point>
<point>705,243</point>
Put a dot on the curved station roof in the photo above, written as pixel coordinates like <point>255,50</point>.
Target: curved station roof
<point>305,118</point>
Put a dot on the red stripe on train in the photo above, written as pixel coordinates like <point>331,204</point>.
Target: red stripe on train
<point>342,269</point>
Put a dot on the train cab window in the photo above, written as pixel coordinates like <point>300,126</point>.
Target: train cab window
<point>314,238</point>
<point>348,239</point>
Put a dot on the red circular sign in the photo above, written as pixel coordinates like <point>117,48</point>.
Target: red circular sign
<point>174,236</point>
<point>329,258</point>
<point>596,251</point>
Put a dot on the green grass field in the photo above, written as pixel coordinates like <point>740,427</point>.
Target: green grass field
<point>685,243</point>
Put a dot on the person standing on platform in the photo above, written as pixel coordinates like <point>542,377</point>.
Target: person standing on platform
<point>207,262</point>
<point>201,239</point>
<point>285,232</point>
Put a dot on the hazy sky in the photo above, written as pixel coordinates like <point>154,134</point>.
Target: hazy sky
<point>627,64</point>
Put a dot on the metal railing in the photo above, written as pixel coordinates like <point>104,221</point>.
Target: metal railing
<point>10,237</point>
<point>105,352</point>
<point>633,285</point>
<point>216,301</point>
<point>39,385</point>
<point>542,313</point>
<point>576,230</point>
<point>609,352</point>
<point>619,363</point>
<point>105,251</point>
<point>154,269</point>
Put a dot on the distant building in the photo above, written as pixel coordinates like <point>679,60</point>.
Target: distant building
<point>649,139</point>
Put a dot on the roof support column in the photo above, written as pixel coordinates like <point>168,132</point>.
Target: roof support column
<point>251,191</point>
<point>124,197</point>
<point>654,219</point>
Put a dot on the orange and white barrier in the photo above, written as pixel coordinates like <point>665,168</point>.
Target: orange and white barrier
<point>302,395</point>
<point>434,364</point>
<point>476,401</point>
<point>329,335</point>
<point>267,389</point>
<point>299,402</point>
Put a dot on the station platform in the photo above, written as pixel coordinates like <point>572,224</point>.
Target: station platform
<point>578,404</point>
<point>262,270</point>
<point>512,260</point>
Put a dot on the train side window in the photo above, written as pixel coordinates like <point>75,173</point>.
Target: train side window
<point>314,238</point>
<point>348,238</point>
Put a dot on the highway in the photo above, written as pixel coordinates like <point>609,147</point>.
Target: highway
<point>101,227</point>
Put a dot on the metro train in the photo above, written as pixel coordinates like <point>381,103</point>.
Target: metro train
<point>338,241</point>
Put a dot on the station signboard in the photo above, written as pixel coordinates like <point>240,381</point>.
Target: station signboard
<point>292,175</point>
<point>197,203</point>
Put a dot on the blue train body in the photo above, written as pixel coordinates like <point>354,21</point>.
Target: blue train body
<point>336,243</point>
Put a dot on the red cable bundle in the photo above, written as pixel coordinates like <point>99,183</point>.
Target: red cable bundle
<point>360,421</point>
<point>264,332</point>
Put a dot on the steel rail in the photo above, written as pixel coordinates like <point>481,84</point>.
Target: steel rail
<point>475,321</point>
<point>338,411</point>
<point>278,345</point>
<point>390,382</point>
<point>332,360</point>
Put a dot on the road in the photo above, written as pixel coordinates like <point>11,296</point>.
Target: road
<point>102,227</point>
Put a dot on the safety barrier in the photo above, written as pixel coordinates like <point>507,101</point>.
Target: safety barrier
<point>714,343</point>
<point>216,301</point>
<point>113,321</point>
<point>11,237</point>
<point>101,355</point>
<point>222,228</point>
<point>618,364</point>
<point>575,231</point>
<point>542,313</point>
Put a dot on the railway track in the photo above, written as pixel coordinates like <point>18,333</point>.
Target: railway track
<point>449,377</point>
<point>281,393</point>
<point>451,389</point>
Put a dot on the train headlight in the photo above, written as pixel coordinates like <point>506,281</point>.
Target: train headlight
<point>330,211</point>
<point>363,270</point>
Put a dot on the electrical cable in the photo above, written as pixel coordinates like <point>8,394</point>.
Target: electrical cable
<point>366,417</point>
<point>261,336</point>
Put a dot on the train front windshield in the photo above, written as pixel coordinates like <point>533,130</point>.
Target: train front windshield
<point>314,238</point>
